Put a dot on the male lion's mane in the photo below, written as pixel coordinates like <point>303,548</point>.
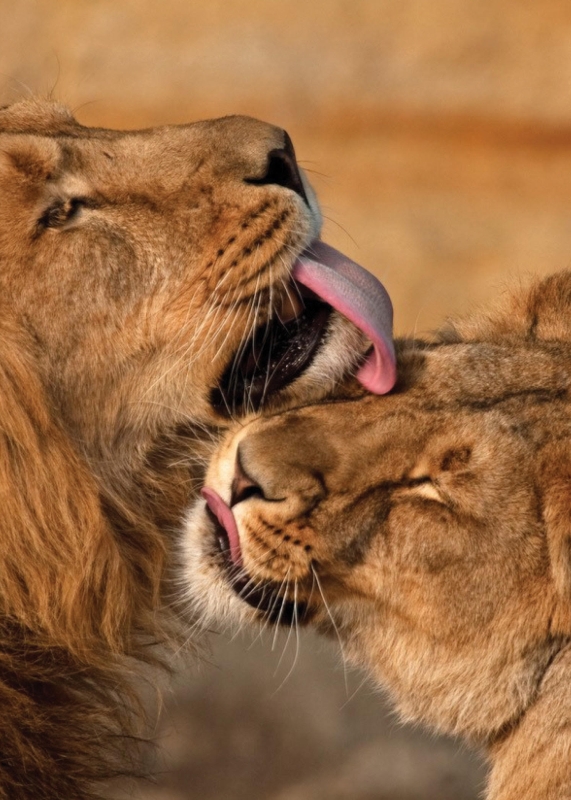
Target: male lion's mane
<point>80,576</point>
<point>133,267</point>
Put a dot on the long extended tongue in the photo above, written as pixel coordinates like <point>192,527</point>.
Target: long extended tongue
<point>225,517</point>
<point>361,298</point>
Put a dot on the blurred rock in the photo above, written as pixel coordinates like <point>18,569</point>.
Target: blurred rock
<point>398,768</point>
<point>289,723</point>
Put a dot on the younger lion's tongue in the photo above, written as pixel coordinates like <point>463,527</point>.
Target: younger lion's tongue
<point>361,298</point>
<point>225,517</point>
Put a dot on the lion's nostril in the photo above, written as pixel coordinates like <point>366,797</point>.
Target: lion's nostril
<point>243,486</point>
<point>282,170</point>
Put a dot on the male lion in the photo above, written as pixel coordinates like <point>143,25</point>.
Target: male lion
<point>430,530</point>
<point>146,297</point>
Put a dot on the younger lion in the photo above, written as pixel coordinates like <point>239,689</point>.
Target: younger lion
<point>151,287</point>
<point>430,530</point>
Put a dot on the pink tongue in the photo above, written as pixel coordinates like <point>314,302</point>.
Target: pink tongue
<point>361,298</point>
<point>225,517</point>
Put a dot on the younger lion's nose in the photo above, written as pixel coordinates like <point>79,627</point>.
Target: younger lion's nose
<point>242,485</point>
<point>282,170</point>
<point>281,460</point>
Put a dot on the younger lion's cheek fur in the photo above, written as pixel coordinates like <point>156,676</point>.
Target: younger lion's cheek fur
<point>438,518</point>
<point>278,552</point>
<point>441,663</point>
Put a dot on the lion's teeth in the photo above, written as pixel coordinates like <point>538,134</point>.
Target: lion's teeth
<point>291,307</point>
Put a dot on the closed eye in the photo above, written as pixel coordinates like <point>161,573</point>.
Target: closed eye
<point>427,491</point>
<point>423,487</point>
<point>63,212</point>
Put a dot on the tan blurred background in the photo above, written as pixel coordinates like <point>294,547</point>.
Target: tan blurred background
<point>438,136</point>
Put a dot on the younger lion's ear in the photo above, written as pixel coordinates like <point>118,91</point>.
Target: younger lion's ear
<point>37,114</point>
<point>34,158</point>
<point>554,479</point>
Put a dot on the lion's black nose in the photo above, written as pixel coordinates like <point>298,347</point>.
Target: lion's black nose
<point>282,170</point>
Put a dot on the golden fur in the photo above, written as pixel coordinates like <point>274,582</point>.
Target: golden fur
<point>430,530</point>
<point>132,267</point>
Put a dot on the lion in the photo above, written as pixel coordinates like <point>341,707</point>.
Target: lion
<point>154,286</point>
<point>428,530</point>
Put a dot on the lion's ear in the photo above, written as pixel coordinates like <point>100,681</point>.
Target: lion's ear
<point>36,114</point>
<point>32,158</point>
<point>554,479</point>
<point>58,558</point>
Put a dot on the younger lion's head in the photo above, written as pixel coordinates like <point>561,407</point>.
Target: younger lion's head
<point>429,530</point>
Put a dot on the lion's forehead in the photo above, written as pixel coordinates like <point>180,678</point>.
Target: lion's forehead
<point>48,118</point>
<point>45,141</point>
<point>486,372</point>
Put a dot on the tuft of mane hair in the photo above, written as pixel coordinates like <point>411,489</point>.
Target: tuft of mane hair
<point>79,589</point>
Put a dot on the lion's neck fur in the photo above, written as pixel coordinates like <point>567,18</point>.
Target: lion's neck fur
<point>74,611</point>
<point>543,748</point>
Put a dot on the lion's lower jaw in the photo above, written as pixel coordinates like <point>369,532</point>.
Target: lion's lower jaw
<point>202,587</point>
<point>337,357</point>
<point>476,698</point>
<point>339,354</point>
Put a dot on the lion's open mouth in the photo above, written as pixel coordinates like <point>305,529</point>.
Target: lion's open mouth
<point>266,597</point>
<point>273,606</point>
<point>281,350</point>
<point>277,354</point>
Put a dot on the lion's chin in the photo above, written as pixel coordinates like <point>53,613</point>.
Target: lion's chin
<point>267,598</point>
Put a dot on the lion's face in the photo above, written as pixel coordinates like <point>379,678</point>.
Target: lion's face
<point>428,530</point>
<point>151,268</point>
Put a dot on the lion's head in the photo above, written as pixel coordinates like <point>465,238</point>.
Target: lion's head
<point>140,263</point>
<point>429,530</point>
<point>154,285</point>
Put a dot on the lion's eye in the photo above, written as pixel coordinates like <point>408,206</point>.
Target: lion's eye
<point>62,212</point>
<point>423,486</point>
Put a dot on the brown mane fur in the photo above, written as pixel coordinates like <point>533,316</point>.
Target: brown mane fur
<point>71,606</point>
